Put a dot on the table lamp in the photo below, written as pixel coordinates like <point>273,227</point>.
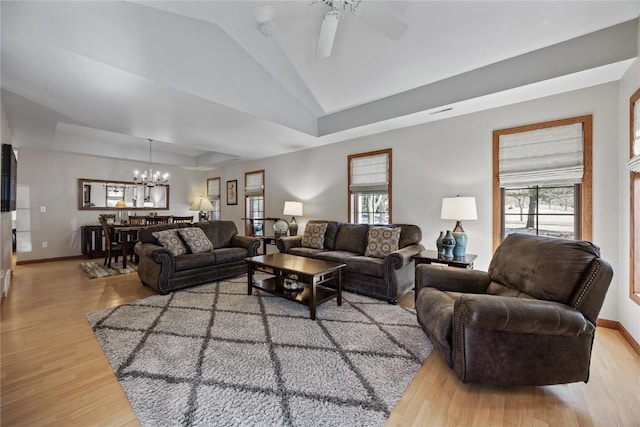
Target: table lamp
<point>203,206</point>
<point>120,204</point>
<point>293,209</point>
<point>459,208</point>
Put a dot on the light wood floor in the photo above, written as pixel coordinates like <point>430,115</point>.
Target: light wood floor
<point>54,371</point>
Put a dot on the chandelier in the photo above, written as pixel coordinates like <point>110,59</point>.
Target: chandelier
<point>340,4</point>
<point>149,177</point>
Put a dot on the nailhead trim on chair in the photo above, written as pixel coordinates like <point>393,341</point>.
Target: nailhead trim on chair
<point>589,282</point>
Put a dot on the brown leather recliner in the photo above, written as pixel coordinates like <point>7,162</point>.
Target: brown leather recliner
<point>529,320</point>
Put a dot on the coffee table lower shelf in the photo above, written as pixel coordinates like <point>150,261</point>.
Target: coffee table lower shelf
<point>303,296</point>
<point>311,273</point>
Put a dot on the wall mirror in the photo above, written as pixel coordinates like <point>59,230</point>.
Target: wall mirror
<point>98,194</point>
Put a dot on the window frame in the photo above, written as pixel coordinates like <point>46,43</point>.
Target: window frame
<point>634,209</point>
<point>217,210</point>
<point>249,227</point>
<point>585,209</point>
<point>351,196</point>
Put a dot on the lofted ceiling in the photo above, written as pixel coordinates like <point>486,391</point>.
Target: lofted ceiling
<point>215,81</point>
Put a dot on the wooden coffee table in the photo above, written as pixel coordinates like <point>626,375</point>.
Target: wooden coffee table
<point>311,272</point>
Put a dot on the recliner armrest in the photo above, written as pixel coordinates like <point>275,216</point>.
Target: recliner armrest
<point>451,279</point>
<point>519,315</point>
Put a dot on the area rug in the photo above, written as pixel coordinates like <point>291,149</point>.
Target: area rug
<point>214,356</point>
<point>97,269</point>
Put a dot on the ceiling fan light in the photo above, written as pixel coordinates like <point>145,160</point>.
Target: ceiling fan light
<point>327,33</point>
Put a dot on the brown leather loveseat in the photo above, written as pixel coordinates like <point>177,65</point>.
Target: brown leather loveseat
<point>529,320</point>
<point>172,264</point>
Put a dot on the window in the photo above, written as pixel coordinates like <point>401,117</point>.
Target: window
<point>634,167</point>
<point>542,179</point>
<point>254,203</point>
<point>370,187</point>
<point>213,193</point>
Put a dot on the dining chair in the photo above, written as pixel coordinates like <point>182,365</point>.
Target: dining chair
<point>186,219</point>
<point>137,220</point>
<point>153,220</point>
<point>113,248</point>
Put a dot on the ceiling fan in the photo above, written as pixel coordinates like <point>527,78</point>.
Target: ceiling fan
<point>370,13</point>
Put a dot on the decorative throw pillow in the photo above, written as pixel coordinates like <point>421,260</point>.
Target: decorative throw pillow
<point>170,240</point>
<point>381,241</point>
<point>314,235</point>
<point>195,238</point>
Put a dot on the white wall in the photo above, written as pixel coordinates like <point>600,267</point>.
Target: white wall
<point>628,310</point>
<point>441,159</point>
<point>50,179</point>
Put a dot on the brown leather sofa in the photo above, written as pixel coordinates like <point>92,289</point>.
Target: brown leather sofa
<point>162,270</point>
<point>388,278</point>
<point>529,320</point>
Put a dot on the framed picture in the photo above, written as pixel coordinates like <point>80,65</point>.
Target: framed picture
<point>232,192</point>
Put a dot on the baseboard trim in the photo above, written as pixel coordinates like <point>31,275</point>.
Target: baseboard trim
<point>614,324</point>
<point>36,261</point>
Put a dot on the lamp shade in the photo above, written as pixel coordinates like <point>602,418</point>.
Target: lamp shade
<point>201,204</point>
<point>459,208</point>
<point>121,204</point>
<point>292,208</point>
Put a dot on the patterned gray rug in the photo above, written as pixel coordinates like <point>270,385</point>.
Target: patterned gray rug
<point>97,269</point>
<point>214,356</point>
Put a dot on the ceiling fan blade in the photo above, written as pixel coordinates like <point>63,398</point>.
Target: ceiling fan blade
<point>327,33</point>
<point>384,22</point>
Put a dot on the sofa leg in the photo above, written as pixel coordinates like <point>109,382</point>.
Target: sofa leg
<point>392,301</point>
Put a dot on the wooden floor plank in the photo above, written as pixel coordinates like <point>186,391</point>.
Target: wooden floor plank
<point>54,372</point>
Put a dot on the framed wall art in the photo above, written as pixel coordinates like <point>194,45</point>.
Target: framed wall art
<point>232,192</point>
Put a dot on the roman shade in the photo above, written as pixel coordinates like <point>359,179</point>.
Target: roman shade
<point>553,155</point>
<point>214,190</point>
<point>254,185</point>
<point>370,174</point>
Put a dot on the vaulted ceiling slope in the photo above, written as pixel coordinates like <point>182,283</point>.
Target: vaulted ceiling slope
<point>213,81</point>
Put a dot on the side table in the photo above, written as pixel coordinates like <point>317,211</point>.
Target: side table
<point>432,257</point>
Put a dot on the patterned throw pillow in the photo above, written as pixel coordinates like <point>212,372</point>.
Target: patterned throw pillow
<point>381,241</point>
<point>195,238</point>
<point>170,240</point>
<point>314,235</point>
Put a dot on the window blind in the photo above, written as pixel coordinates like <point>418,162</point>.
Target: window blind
<point>370,174</point>
<point>254,185</point>
<point>634,163</point>
<point>542,156</point>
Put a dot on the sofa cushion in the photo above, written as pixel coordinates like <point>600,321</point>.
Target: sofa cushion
<point>170,240</point>
<point>191,261</point>
<point>314,235</point>
<point>335,256</point>
<point>352,238</point>
<point>381,241</point>
<point>365,265</point>
<point>196,240</point>
<point>308,252</point>
<point>219,232</point>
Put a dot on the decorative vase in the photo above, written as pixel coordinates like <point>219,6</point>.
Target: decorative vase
<point>448,243</point>
<point>439,244</point>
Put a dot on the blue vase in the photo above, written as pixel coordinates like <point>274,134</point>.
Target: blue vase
<point>439,244</point>
<point>448,243</point>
